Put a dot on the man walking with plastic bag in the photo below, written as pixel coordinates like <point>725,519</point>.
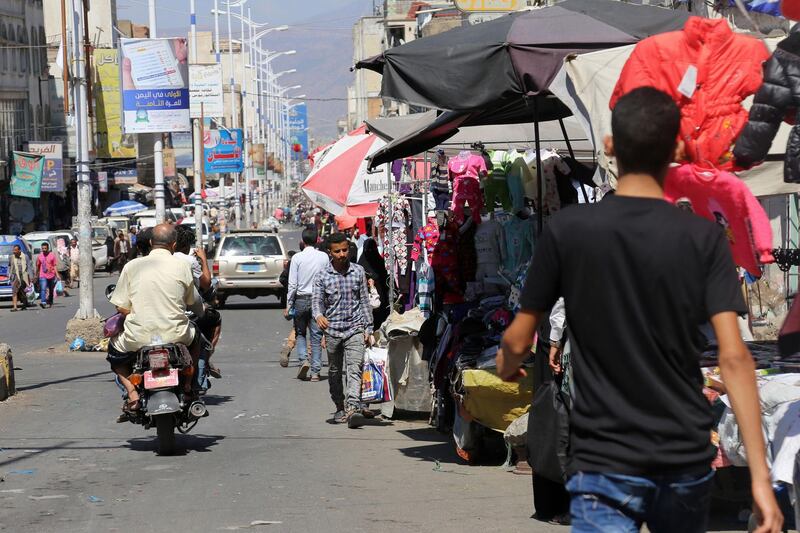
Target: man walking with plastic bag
<point>341,308</point>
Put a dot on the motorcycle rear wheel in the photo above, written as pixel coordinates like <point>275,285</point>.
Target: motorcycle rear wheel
<point>165,430</point>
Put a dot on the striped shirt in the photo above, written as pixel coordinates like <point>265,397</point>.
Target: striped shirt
<point>342,298</point>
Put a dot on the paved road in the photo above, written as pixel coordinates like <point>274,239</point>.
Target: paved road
<point>266,453</point>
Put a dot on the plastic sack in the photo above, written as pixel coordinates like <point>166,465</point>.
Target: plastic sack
<point>78,345</point>
<point>59,288</point>
<point>31,294</point>
<point>114,325</point>
<point>373,379</point>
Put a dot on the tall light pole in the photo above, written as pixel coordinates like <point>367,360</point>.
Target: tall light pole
<point>234,119</point>
<point>197,140</point>
<point>158,141</point>
<point>86,309</point>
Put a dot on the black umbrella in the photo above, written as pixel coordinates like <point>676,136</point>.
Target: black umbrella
<point>512,58</point>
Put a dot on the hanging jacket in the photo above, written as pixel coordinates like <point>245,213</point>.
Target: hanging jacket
<point>725,199</point>
<point>708,70</point>
<point>778,98</point>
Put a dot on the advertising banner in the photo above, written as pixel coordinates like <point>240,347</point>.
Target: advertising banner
<point>298,131</point>
<point>111,142</point>
<point>222,151</point>
<point>53,175</point>
<point>102,181</point>
<point>205,87</point>
<point>155,85</point>
<point>258,158</point>
<point>27,178</point>
<point>182,144</point>
<point>169,162</point>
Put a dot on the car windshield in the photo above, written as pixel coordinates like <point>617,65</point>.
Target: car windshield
<point>251,245</point>
<point>118,224</point>
<point>36,244</point>
<point>99,233</point>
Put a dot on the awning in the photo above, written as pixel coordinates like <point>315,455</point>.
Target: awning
<point>414,134</point>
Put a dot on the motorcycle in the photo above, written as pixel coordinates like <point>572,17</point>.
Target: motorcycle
<point>161,373</point>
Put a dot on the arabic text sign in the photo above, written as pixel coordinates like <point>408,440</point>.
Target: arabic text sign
<point>155,88</point>
<point>222,151</point>
<point>126,176</point>
<point>205,87</point>
<point>111,142</point>
<point>488,6</point>
<point>27,178</point>
<point>53,175</point>
<point>168,162</point>
<point>102,181</point>
<point>298,128</point>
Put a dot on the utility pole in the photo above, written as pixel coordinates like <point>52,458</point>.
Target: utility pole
<point>158,142</point>
<point>219,62</point>
<point>197,141</point>
<point>245,144</point>
<point>86,309</point>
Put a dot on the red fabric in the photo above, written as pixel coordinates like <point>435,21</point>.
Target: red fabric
<point>723,198</point>
<point>336,179</point>
<point>46,265</point>
<point>791,9</point>
<point>361,224</point>
<point>728,71</point>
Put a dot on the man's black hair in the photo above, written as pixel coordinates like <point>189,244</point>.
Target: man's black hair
<point>186,238</point>
<point>645,125</point>
<point>310,236</point>
<point>143,242</point>
<point>291,253</point>
<point>336,238</point>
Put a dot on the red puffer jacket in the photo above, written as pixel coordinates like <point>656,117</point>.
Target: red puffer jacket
<point>728,70</point>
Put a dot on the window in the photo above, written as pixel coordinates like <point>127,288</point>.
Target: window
<point>42,51</point>
<point>14,51</point>
<point>4,45</point>
<point>250,245</point>
<point>34,52</point>
<point>24,50</point>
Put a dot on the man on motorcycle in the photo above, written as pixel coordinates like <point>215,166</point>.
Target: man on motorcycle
<point>154,293</point>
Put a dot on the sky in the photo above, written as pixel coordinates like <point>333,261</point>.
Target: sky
<point>320,31</point>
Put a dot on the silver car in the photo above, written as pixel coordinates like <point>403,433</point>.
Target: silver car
<point>249,263</point>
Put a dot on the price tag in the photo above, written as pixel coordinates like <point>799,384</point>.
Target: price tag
<point>689,82</point>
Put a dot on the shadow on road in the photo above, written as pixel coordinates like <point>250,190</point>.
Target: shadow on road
<point>245,306</point>
<point>62,380</point>
<point>183,443</point>
<point>217,399</point>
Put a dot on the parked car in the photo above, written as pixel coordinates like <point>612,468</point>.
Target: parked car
<point>122,224</point>
<point>249,263</point>
<point>271,224</point>
<point>7,243</point>
<point>99,249</point>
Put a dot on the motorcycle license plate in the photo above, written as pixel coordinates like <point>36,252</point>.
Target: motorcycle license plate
<point>161,378</point>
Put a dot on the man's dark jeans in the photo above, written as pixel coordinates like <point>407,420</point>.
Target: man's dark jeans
<point>610,502</point>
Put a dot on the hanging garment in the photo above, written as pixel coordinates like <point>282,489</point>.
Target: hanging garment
<point>466,164</point>
<point>516,176</point>
<point>495,185</point>
<point>708,70</point>
<point>550,162</point>
<point>722,197</point>
<point>489,249</point>
<point>519,235</point>
<point>427,237</point>
<point>467,190</point>
<point>444,261</point>
<point>467,257</point>
<point>426,284</point>
<point>778,98</point>
<point>393,233</point>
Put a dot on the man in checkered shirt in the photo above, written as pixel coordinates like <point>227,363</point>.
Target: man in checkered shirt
<point>340,305</point>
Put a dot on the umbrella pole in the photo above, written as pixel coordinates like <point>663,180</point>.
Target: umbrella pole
<point>571,154</point>
<point>389,229</point>
<point>539,177</point>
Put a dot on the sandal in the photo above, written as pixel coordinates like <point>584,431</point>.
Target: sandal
<point>132,405</point>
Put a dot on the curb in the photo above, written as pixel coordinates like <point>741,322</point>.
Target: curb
<point>8,386</point>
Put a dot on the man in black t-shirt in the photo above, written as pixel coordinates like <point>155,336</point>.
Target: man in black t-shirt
<point>639,276</point>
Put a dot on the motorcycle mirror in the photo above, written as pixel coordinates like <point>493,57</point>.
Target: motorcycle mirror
<point>110,291</point>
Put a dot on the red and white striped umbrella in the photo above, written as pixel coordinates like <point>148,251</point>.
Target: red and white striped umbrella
<point>340,182</point>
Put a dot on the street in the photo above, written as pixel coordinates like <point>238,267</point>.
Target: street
<point>264,457</point>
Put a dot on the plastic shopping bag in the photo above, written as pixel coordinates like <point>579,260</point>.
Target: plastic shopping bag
<point>59,288</point>
<point>372,382</point>
<point>31,294</point>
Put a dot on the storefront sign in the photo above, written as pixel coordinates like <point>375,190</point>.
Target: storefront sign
<point>205,87</point>
<point>298,128</point>
<point>169,162</point>
<point>155,85</point>
<point>27,178</point>
<point>126,176</point>
<point>111,142</point>
<point>222,151</point>
<point>182,144</point>
<point>258,158</point>
<point>489,6</point>
<point>53,175</point>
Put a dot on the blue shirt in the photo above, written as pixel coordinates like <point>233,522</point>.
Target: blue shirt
<point>342,298</point>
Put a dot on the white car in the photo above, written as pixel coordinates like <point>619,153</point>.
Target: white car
<point>99,250</point>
